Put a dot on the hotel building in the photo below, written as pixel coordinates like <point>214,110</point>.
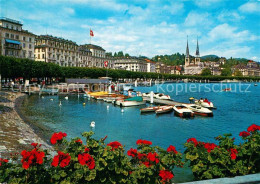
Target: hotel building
<point>98,57</point>
<point>14,41</point>
<point>56,50</point>
<point>131,64</point>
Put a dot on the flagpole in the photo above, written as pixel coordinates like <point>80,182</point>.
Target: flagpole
<point>90,36</point>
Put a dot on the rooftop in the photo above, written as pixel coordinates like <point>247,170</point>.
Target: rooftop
<point>10,20</point>
<point>54,38</point>
<point>91,46</point>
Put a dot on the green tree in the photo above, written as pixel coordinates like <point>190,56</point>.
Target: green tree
<point>120,54</point>
<point>226,72</point>
<point>238,73</point>
<point>206,72</point>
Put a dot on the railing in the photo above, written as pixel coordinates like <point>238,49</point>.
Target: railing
<point>9,46</point>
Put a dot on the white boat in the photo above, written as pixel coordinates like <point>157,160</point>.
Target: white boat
<point>255,84</point>
<point>134,101</point>
<point>182,111</point>
<point>165,109</point>
<point>126,87</point>
<point>118,101</point>
<point>151,109</point>
<point>131,103</point>
<point>198,110</point>
<point>162,96</point>
<point>205,104</point>
<point>146,94</point>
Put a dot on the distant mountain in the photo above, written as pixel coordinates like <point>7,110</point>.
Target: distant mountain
<point>209,57</point>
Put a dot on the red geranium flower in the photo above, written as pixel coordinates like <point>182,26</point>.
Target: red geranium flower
<point>86,149</point>
<point>253,128</point>
<point>141,156</point>
<point>193,140</point>
<point>3,160</point>
<point>172,149</point>
<point>32,158</point>
<point>233,153</point>
<point>143,142</point>
<point>210,146</point>
<point>244,134</point>
<point>147,164</point>
<point>79,141</point>
<point>114,145</point>
<point>57,137</point>
<point>166,175</point>
<point>132,152</point>
<point>86,159</point>
<point>62,159</point>
<point>153,157</point>
<point>149,159</point>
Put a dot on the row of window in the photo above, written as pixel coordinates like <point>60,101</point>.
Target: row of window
<point>17,28</point>
<point>16,53</point>
<point>17,37</point>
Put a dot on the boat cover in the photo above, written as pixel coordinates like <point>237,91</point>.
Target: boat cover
<point>136,98</point>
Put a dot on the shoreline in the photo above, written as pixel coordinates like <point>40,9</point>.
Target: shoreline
<point>16,131</point>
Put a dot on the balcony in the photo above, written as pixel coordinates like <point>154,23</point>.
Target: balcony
<point>12,46</point>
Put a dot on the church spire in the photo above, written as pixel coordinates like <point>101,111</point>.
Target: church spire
<point>197,50</point>
<point>187,49</point>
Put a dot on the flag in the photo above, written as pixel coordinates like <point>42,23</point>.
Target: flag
<point>91,33</point>
<point>105,63</point>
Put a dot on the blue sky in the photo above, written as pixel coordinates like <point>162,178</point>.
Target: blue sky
<point>229,28</point>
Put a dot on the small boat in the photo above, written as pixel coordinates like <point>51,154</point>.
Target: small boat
<point>255,84</point>
<point>164,110</point>
<point>162,96</point>
<point>227,89</point>
<point>205,103</point>
<point>151,109</point>
<point>198,110</point>
<point>182,111</point>
<point>127,87</point>
<point>134,101</point>
<point>146,94</point>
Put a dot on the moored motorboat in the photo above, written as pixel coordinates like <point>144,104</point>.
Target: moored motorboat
<point>182,111</point>
<point>198,110</point>
<point>162,96</point>
<point>151,109</point>
<point>227,89</point>
<point>255,84</point>
<point>205,103</point>
<point>164,109</point>
<point>134,101</point>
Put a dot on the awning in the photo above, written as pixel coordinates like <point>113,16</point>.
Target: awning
<point>13,41</point>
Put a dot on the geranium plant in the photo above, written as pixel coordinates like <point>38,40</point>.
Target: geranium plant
<point>93,162</point>
<point>209,160</point>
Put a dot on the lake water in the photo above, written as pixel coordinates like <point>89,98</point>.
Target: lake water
<point>236,110</point>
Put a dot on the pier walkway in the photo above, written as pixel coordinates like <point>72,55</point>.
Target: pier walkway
<point>163,102</point>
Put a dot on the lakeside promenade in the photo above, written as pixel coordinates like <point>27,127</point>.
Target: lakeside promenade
<point>15,134</point>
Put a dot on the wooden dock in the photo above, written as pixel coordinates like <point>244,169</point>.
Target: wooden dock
<point>163,102</point>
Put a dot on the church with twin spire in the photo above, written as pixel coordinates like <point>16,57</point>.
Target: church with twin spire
<point>193,65</point>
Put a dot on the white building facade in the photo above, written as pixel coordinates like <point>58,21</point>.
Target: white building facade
<point>14,41</point>
<point>131,64</point>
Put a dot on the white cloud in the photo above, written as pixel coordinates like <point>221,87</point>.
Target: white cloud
<point>206,3</point>
<point>250,7</point>
<point>197,19</point>
<point>227,32</point>
<point>227,15</point>
<point>174,8</point>
<point>229,51</point>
